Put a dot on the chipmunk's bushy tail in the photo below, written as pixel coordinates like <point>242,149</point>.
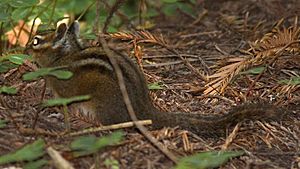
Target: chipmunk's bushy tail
<point>217,124</point>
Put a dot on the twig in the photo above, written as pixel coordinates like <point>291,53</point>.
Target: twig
<point>231,137</point>
<point>110,127</point>
<point>168,63</point>
<point>85,10</point>
<point>114,8</point>
<point>37,131</point>
<point>127,102</point>
<point>200,17</point>
<point>168,56</point>
<point>221,51</point>
<point>121,15</point>
<point>218,97</point>
<point>187,63</point>
<point>142,7</point>
<point>1,35</point>
<point>31,30</point>
<point>59,161</point>
<point>52,12</point>
<point>256,79</point>
<point>24,23</point>
<point>187,146</point>
<point>33,23</point>
<point>199,34</point>
<point>96,24</point>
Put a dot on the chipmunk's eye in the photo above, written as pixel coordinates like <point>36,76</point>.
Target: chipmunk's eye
<point>36,40</point>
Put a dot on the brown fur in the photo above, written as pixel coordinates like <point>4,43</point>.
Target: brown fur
<point>94,75</point>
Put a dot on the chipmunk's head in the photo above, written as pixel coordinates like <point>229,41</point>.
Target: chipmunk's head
<point>51,45</point>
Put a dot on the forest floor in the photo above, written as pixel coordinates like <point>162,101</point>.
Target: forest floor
<point>223,31</point>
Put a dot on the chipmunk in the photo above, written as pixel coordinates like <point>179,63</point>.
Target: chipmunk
<point>94,75</point>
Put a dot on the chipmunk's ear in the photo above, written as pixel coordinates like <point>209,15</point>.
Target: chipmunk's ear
<point>74,28</point>
<point>60,31</point>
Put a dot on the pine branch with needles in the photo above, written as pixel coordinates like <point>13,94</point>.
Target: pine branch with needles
<point>269,47</point>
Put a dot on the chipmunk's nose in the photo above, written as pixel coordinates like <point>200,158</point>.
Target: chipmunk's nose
<point>27,50</point>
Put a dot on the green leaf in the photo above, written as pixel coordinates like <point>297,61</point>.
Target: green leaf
<point>65,101</point>
<point>193,2</point>
<point>38,73</point>
<point>74,6</point>
<point>155,86</point>
<point>112,29</point>
<point>112,163</point>
<point>20,13</point>
<point>45,14</point>
<point>169,9</point>
<point>35,164</point>
<point>86,145</point>
<point>207,160</point>
<point>2,123</point>
<point>292,81</point>
<point>254,71</point>
<point>28,153</point>
<point>150,13</point>
<point>3,16</point>
<point>8,90</point>
<point>4,2</point>
<point>187,8</point>
<point>23,3</point>
<point>6,66</point>
<point>60,74</point>
<point>18,58</point>
<point>130,9</point>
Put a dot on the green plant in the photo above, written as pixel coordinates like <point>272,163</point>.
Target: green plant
<point>6,66</point>
<point>29,154</point>
<point>17,59</point>
<point>207,159</point>
<point>56,72</point>
<point>155,86</point>
<point>27,10</point>
<point>64,101</point>
<point>170,7</point>
<point>86,145</point>
<point>111,163</point>
<point>292,81</point>
<point>130,10</point>
<point>11,61</point>
<point>254,71</point>
<point>8,90</point>
<point>2,123</point>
